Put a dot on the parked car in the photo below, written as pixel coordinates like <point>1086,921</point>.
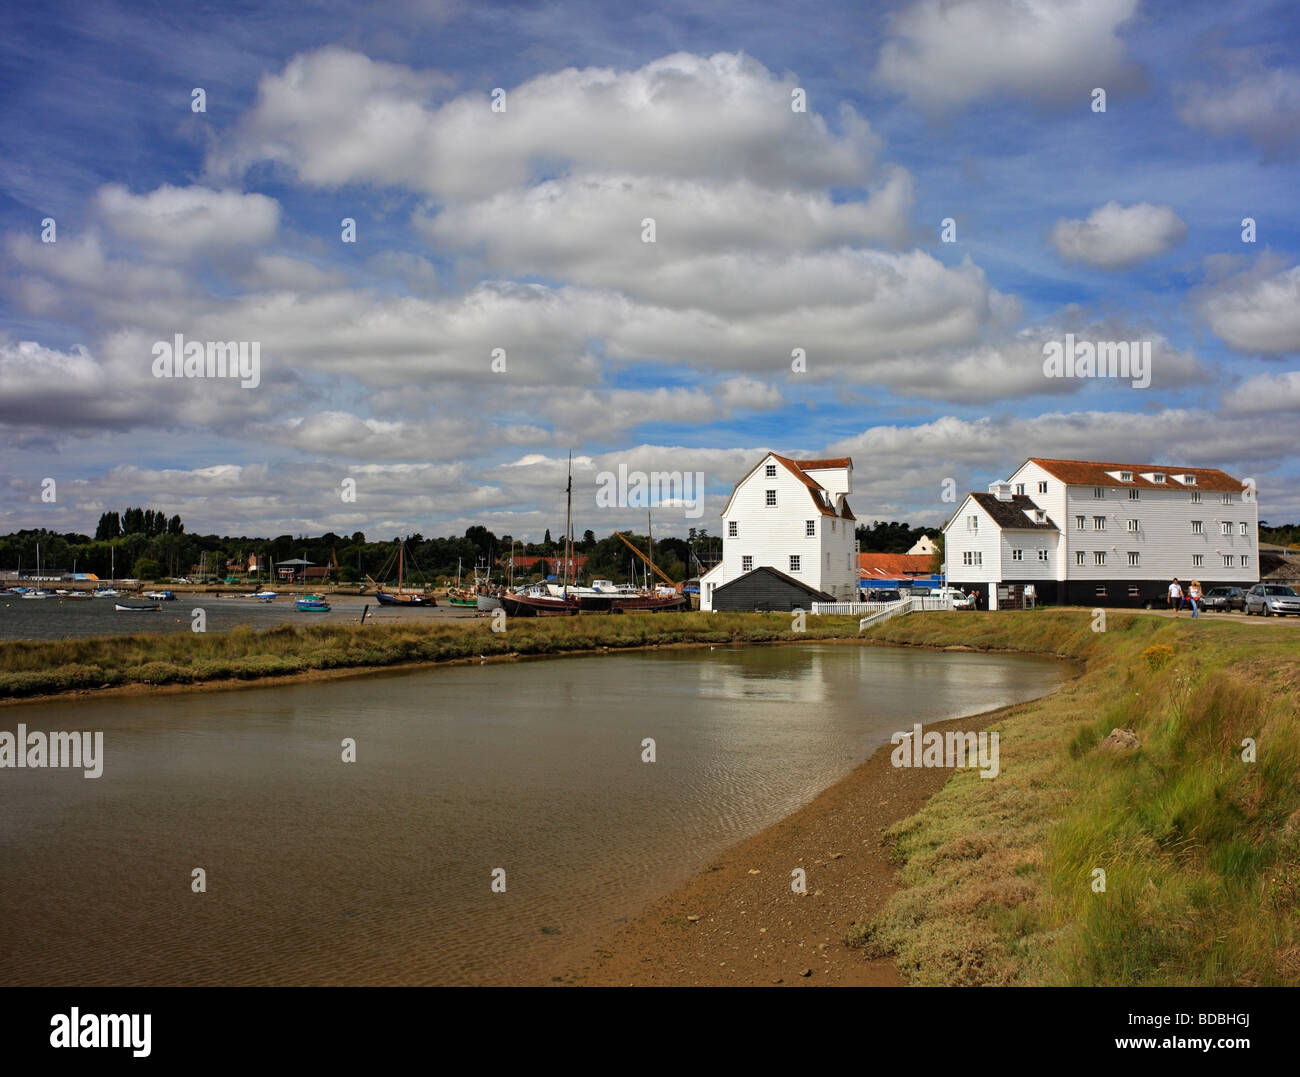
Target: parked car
<point>1224,598</point>
<point>881,594</point>
<point>1272,600</point>
<point>960,599</point>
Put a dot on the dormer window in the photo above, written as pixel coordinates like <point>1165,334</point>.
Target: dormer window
<point>1190,480</point>
<point>1126,476</point>
<point>1158,476</point>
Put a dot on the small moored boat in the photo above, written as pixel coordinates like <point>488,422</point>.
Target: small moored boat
<point>136,607</point>
<point>312,604</point>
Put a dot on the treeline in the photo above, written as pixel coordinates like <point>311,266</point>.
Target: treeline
<point>893,537</point>
<point>1283,535</point>
<point>148,545</point>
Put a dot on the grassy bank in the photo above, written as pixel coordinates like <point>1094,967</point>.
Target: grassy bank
<point>52,666</point>
<point>1200,849</point>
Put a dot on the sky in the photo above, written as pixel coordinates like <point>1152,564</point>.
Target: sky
<point>656,237</point>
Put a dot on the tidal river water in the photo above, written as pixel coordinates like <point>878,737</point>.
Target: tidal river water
<point>381,871</point>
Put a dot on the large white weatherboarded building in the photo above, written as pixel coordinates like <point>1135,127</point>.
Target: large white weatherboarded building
<point>791,518</point>
<point>1085,533</point>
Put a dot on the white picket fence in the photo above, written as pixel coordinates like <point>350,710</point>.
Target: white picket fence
<point>856,609</point>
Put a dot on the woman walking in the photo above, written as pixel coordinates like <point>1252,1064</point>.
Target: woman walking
<point>1194,596</point>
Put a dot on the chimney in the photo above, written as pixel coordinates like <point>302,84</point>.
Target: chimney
<point>1001,490</point>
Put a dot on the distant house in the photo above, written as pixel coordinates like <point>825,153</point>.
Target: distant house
<point>1080,532</point>
<point>555,565</point>
<point>791,516</point>
<point>925,546</point>
<point>891,569</point>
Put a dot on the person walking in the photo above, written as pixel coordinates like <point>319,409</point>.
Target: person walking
<point>1175,596</point>
<point>1194,596</point>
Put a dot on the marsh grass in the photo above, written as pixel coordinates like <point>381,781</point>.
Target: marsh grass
<point>1200,849</point>
<point>51,666</point>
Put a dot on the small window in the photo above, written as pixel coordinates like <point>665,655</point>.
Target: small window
<point>747,563</point>
<point>1226,527</point>
<point>1135,494</point>
<point>1190,480</point>
<point>1099,557</point>
<point>1042,555</point>
<point>1198,560</point>
<point>1101,590</point>
<point>1080,522</point>
<point>1158,476</point>
<point>1133,559</point>
<point>1042,487</point>
<point>828,559</point>
<point>1099,491</point>
<point>794,562</point>
<point>1134,591</point>
<point>1243,530</point>
<point>972,523</point>
<point>1079,557</point>
<point>1227,560</point>
<point>1133,526</point>
<point>1227,499</point>
<point>1099,523</point>
<point>810,527</point>
<point>770,471</point>
<point>1197,529</point>
<point>1020,489</point>
<point>733,529</point>
<point>1126,476</point>
<point>1017,555</point>
<point>1245,561</point>
<point>771,498</point>
<point>1196,497</point>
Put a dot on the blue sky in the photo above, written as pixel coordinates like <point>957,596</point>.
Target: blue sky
<point>776,230</point>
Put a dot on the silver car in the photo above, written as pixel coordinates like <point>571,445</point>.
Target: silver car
<point>1272,599</point>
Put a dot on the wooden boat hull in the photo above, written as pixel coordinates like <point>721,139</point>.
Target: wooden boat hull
<point>404,601</point>
<point>650,603</point>
<point>151,607</point>
<point>530,606</point>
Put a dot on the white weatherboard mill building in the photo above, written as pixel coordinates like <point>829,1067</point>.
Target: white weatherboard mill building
<point>791,516</point>
<point>1096,534</point>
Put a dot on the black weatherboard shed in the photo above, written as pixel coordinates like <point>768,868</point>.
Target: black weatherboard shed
<point>766,588</point>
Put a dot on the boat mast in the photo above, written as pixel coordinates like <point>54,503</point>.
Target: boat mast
<point>650,541</point>
<point>568,529</point>
<point>401,559</point>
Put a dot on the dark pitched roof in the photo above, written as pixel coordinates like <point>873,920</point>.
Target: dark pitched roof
<point>1011,515</point>
<point>820,596</point>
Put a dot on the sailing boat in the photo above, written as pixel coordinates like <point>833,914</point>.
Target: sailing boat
<point>461,596</point>
<point>486,598</point>
<point>39,592</point>
<point>538,601</point>
<point>109,590</point>
<point>400,597</point>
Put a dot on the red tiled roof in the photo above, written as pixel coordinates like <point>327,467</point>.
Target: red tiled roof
<point>821,498</point>
<point>821,465</point>
<point>1093,473</point>
<point>579,559</point>
<point>893,566</point>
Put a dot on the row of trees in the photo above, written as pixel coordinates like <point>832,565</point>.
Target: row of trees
<point>148,545</point>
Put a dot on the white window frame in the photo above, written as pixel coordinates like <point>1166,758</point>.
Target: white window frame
<point>795,562</point>
<point>1134,559</point>
<point>809,528</point>
<point>733,529</point>
<point>747,562</point>
<point>1099,558</point>
<point>769,499</point>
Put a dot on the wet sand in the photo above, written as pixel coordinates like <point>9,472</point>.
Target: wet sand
<point>739,923</point>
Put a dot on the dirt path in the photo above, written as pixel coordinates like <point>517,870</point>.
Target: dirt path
<point>740,923</point>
